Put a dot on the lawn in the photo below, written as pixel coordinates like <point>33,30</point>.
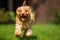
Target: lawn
<point>40,32</point>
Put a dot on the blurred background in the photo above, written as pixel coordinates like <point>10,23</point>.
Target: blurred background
<point>47,11</point>
<point>47,16</point>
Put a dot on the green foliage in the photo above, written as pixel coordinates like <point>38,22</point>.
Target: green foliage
<point>56,18</point>
<point>12,16</point>
<point>6,16</point>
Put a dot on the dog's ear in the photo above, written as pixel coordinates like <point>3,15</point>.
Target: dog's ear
<point>32,17</point>
<point>18,10</point>
<point>29,8</point>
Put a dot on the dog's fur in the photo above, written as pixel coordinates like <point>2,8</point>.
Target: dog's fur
<point>24,20</point>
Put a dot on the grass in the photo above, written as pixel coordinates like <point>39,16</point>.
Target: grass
<point>40,32</point>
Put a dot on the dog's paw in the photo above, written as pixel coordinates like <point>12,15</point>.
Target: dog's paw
<point>29,33</point>
<point>17,33</point>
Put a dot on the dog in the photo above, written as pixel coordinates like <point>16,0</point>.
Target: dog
<point>24,20</point>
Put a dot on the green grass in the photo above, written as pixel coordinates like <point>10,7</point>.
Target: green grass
<point>40,32</point>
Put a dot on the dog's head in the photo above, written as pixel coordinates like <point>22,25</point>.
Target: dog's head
<point>23,12</point>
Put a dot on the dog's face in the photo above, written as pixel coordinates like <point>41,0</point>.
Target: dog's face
<point>23,12</point>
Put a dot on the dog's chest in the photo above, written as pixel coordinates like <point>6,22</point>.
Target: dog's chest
<point>26,24</point>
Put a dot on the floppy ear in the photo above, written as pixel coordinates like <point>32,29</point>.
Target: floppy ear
<point>32,17</point>
<point>30,10</point>
<point>18,10</point>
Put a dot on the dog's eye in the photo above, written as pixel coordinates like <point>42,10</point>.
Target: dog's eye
<point>26,10</point>
<point>19,11</point>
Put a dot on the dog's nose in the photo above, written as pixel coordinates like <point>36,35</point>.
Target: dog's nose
<point>23,14</point>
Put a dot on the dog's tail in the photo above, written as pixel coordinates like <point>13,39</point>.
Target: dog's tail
<point>24,3</point>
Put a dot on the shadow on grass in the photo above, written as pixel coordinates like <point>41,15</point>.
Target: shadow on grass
<point>28,38</point>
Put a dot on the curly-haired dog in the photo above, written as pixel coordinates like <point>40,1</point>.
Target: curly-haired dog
<point>24,20</point>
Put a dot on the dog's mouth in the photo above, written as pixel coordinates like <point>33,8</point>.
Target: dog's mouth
<point>23,18</point>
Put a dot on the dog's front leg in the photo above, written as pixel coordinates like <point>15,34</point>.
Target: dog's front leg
<point>18,28</point>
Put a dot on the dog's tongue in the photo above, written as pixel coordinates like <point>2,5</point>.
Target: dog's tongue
<point>23,19</point>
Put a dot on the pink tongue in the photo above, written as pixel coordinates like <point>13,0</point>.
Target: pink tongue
<point>23,19</point>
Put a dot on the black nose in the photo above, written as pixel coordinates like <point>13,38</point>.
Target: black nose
<point>22,14</point>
